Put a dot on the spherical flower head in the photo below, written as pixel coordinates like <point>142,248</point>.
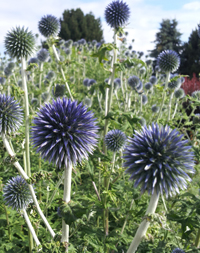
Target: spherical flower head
<point>86,82</point>
<point>117,83</point>
<point>144,99</point>
<point>51,75</point>
<point>10,114</point>
<point>148,86</point>
<point>8,72</point>
<point>168,61</point>
<point>155,108</point>
<point>177,250</point>
<point>19,42</point>
<point>87,102</point>
<point>153,79</point>
<point>196,94</point>
<point>64,132</point>
<point>59,90</point>
<point>133,81</point>
<point>43,55</point>
<point>176,84</point>
<point>117,14</point>
<point>196,118</point>
<point>49,26</point>
<point>179,93</point>
<point>33,60</point>
<point>159,160</point>
<point>11,65</point>
<point>2,80</point>
<point>142,122</point>
<point>17,194</point>
<point>91,82</point>
<point>139,87</point>
<point>115,140</point>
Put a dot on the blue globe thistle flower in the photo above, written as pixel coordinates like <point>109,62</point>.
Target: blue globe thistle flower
<point>196,94</point>
<point>179,93</point>
<point>34,102</point>
<point>139,87</point>
<point>148,86</point>
<point>2,80</point>
<point>11,65</point>
<point>176,84</point>
<point>8,72</point>
<point>49,26</point>
<point>177,250</point>
<point>157,68</point>
<point>117,14</point>
<point>64,132</point>
<point>87,102</point>
<point>33,60</point>
<point>68,51</point>
<point>51,75</point>
<point>142,122</point>
<point>115,140</point>
<point>133,81</point>
<point>98,45</point>
<point>86,82</point>
<point>127,53</point>
<point>58,90</point>
<point>159,160</point>
<point>75,44</point>
<point>10,114</point>
<point>153,79</point>
<point>144,99</point>
<point>94,42</point>
<point>130,47</point>
<point>16,193</point>
<point>155,108</point>
<point>142,71</point>
<point>19,42</point>
<point>168,61</point>
<point>149,62</point>
<point>117,83</point>
<point>91,82</point>
<point>43,55</point>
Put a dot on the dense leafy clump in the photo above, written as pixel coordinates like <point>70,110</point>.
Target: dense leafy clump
<point>159,160</point>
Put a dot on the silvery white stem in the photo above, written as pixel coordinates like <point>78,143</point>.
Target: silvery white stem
<point>24,175</point>
<point>175,109</point>
<point>23,73</point>
<point>62,72</point>
<point>170,105</point>
<point>141,231</point>
<point>66,198</point>
<point>30,227</point>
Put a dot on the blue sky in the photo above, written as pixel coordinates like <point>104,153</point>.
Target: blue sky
<point>146,15</point>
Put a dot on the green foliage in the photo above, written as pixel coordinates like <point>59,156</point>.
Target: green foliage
<point>75,25</point>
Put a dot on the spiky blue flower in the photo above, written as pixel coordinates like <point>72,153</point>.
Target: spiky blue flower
<point>11,65</point>
<point>64,132</point>
<point>168,61</point>
<point>177,250</point>
<point>158,159</point>
<point>91,82</point>
<point>8,72</point>
<point>179,93</point>
<point>59,90</point>
<point>117,14</point>
<point>144,99</point>
<point>196,94</point>
<point>155,108</point>
<point>153,79</point>
<point>117,83</point>
<point>86,82</point>
<point>49,26</point>
<point>16,193</point>
<point>115,140</point>
<point>2,80</point>
<point>20,42</point>
<point>10,114</point>
<point>148,86</point>
<point>33,60</point>
<point>133,81</point>
<point>43,55</point>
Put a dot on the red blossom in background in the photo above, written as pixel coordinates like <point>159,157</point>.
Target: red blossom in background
<point>190,85</point>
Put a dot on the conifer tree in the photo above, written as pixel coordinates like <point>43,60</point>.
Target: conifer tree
<point>75,25</point>
<point>190,57</point>
<point>168,37</point>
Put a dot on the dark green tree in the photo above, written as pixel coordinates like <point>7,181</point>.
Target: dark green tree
<point>168,37</point>
<point>75,25</point>
<point>190,57</point>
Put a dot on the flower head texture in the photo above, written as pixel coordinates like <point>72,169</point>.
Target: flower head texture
<point>148,86</point>
<point>17,194</point>
<point>59,90</point>
<point>115,140</point>
<point>177,250</point>
<point>43,55</point>
<point>10,114</point>
<point>133,81</point>
<point>155,108</point>
<point>176,84</point>
<point>19,42</point>
<point>168,61</point>
<point>153,79</point>
<point>64,132</point>
<point>179,93</point>
<point>158,159</point>
<point>49,26</point>
<point>117,14</point>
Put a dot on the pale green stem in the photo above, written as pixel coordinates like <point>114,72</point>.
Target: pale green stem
<point>24,175</point>
<point>40,82</point>
<point>175,110</point>
<point>122,83</point>
<point>30,227</point>
<point>170,105</point>
<point>23,73</point>
<point>62,72</point>
<point>66,198</point>
<point>141,231</point>
<point>164,94</point>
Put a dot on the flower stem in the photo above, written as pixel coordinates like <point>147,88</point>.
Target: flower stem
<point>62,72</point>
<point>197,240</point>
<point>8,224</point>
<point>31,227</point>
<point>23,73</point>
<point>66,198</point>
<point>24,175</point>
<point>141,232</point>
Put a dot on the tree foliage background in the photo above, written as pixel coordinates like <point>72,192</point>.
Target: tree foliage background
<point>75,25</point>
